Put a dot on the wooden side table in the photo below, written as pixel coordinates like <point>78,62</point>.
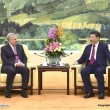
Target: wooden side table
<point>42,69</point>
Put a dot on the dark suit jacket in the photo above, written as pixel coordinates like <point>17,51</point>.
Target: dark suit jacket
<point>102,55</point>
<point>8,57</point>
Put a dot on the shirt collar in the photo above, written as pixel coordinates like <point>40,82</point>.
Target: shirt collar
<point>96,45</point>
<point>11,45</point>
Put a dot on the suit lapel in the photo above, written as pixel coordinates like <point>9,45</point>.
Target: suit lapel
<point>89,50</point>
<point>98,50</point>
<point>10,49</point>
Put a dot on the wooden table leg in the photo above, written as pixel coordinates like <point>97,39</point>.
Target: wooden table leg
<point>39,83</point>
<point>68,82</point>
<point>75,89</point>
<point>31,91</point>
<point>41,80</point>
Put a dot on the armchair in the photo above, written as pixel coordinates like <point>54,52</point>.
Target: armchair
<point>17,83</point>
<point>78,83</point>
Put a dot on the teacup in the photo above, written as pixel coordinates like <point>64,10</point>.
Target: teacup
<point>45,63</point>
<point>62,63</point>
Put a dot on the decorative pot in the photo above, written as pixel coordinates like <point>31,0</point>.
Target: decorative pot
<point>53,60</point>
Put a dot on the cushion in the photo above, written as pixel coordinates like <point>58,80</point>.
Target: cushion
<point>92,77</point>
<point>17,78</point>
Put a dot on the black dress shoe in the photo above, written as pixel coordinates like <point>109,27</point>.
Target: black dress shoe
<point>8,94</point>
<point>24,94</point>
<point>89,94</point>
<point>101,96</point>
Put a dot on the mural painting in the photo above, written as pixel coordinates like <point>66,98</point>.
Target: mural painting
<point>32,19</point>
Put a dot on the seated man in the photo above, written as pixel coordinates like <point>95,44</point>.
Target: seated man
<point>14,61</point>
<point>95,55</point>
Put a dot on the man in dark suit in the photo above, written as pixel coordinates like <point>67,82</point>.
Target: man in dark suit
<point>95,55</point>
<point>14,61</point>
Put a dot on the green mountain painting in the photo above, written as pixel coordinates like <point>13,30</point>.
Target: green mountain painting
<point>32,19</point>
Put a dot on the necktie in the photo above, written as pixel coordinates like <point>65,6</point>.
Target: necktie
<point>92,55</point>
<point>16,55</point>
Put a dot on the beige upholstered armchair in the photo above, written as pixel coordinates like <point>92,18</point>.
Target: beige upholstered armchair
<point>18,80</point>
<point>78,84</point>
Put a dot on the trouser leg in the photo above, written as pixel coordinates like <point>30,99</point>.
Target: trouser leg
<point>85,74</point>
<point>99,74</point>
<point>24,71</point>
<point>11,72</point>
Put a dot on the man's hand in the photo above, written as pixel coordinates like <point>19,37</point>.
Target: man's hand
<point>19,64</point>
<point>22,64</point>
<point>75,63</point>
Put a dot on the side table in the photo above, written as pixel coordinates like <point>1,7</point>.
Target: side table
<point>42,69</point>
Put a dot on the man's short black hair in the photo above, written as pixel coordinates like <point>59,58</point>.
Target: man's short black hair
<point>97,34</point>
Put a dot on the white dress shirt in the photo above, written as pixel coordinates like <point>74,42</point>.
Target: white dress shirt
<point>96,46</point>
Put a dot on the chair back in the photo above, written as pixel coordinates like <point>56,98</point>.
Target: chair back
<point>82,48</point>
<point>26,50</point>
<point>0,55</point>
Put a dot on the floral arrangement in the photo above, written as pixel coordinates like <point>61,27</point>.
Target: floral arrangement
<point>54,46</point>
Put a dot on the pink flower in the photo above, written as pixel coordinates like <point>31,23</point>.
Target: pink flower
<point>52,33</point>
<point>52,47</point>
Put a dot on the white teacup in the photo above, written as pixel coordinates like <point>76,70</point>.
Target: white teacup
<point>45,63</point>
<point>62,63</point>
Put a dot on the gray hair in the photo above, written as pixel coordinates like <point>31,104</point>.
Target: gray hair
<point>10,35</point>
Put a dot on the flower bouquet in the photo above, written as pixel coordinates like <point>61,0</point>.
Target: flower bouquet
<point>54,49</point>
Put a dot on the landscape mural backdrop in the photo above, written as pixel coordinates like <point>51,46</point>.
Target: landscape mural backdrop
<point>32,19</point>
